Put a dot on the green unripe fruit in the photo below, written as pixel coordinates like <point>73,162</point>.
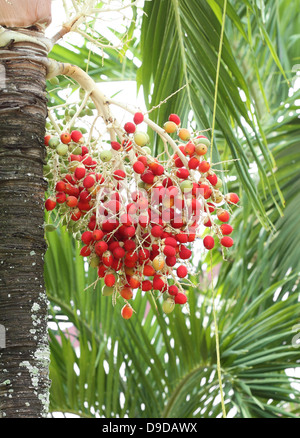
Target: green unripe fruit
<point>219,184</point>
<point>62,149</point>
<point>186,186</point>
<point>107,291</point>
<point>46,168</point>
<point>89,112</point>
<point>106,156</point>
<point>168,305</point>
<point>94,262</point>
<point>91,105</point>
<point>71,112</point>
<point>49,228</point>
<point>147,150</point>
<point>75,150</point>
<point>54,81</point>
<point>141,138</point>
<point>53,142</point>
<point>81,93</point>
<point>202,140</point>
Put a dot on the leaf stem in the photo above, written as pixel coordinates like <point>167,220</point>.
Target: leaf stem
<point>217,78</point>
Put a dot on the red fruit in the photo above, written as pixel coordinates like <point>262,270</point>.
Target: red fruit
<point>89,181</point>
<point>207,222</point>
<point>174,118</point>
<point>205,190</point>
<point>46,140</point>
<point>126,312</point>
<point>169,251</point>
<point>182,271</point>
<point>211,207</point>
<point>148,177</point>
<point>146,285</point>
<point>85,196</point>
<point>170,241</point>
<point>60,197</point>
<point>232,198</point>
<point>129,127</point>
<point>223,215</point>
<point>158,170</point>
<point>139,167</point>
<point>84,150</point>
<point>50,204</point>
<point>180,298</point>
<point>109,225</point>
<point>85,251</point>
<point>109,280</point>
<point>117,264</point>
<point>115,145</point>
<point>80,172</point>
<point>71,201</point>
<point>119,175</point>
<point>184,253</point>
<point>65,137</point>
<point>101,271</point>
<point>158,283</point>
<point>204,166</point>
<point>113,245</point>
<point>143,160</point>
<point>76,215</point>
<point>71,190</point>
<point>227,241</point>
<point>126,293</point>
<point>156,231</point>
<point>208,242</point>
<point>182,238</point>
<point>60,186</point>
<point>119,252</point>
<point>138,118</point>
<point>189,148</point>
<point>171,261</point>
<point>148,271</point>
<point>127,232</point>
<point>76,136</point>
<point>213,179</point>
<point>167,182</point>
<point>226,229</point>
<point>97,235</point>
<point>107,257</point>
<point>101,247</point>
<point>173,290</point>
<point>134,282</point>
<point>178,162</point>
<point>129,245</point>
<point>87,237</point>
<point>131,256</point>
<point>182,173</point>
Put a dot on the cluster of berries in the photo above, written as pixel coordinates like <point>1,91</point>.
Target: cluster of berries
<point>138,216</point>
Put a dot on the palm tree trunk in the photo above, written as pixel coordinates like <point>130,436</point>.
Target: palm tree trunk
<point>24,356</point>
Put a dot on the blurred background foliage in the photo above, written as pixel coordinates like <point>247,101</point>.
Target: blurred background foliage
<point>165,366</point>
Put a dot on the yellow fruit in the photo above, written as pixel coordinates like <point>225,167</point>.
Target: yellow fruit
<point>184,134</point>
<point>168,305</point>
<point>158,263</point>
<point>170,127</point>
<point>201,149</point>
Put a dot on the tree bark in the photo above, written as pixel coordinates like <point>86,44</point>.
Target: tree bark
<point>24,356</point>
